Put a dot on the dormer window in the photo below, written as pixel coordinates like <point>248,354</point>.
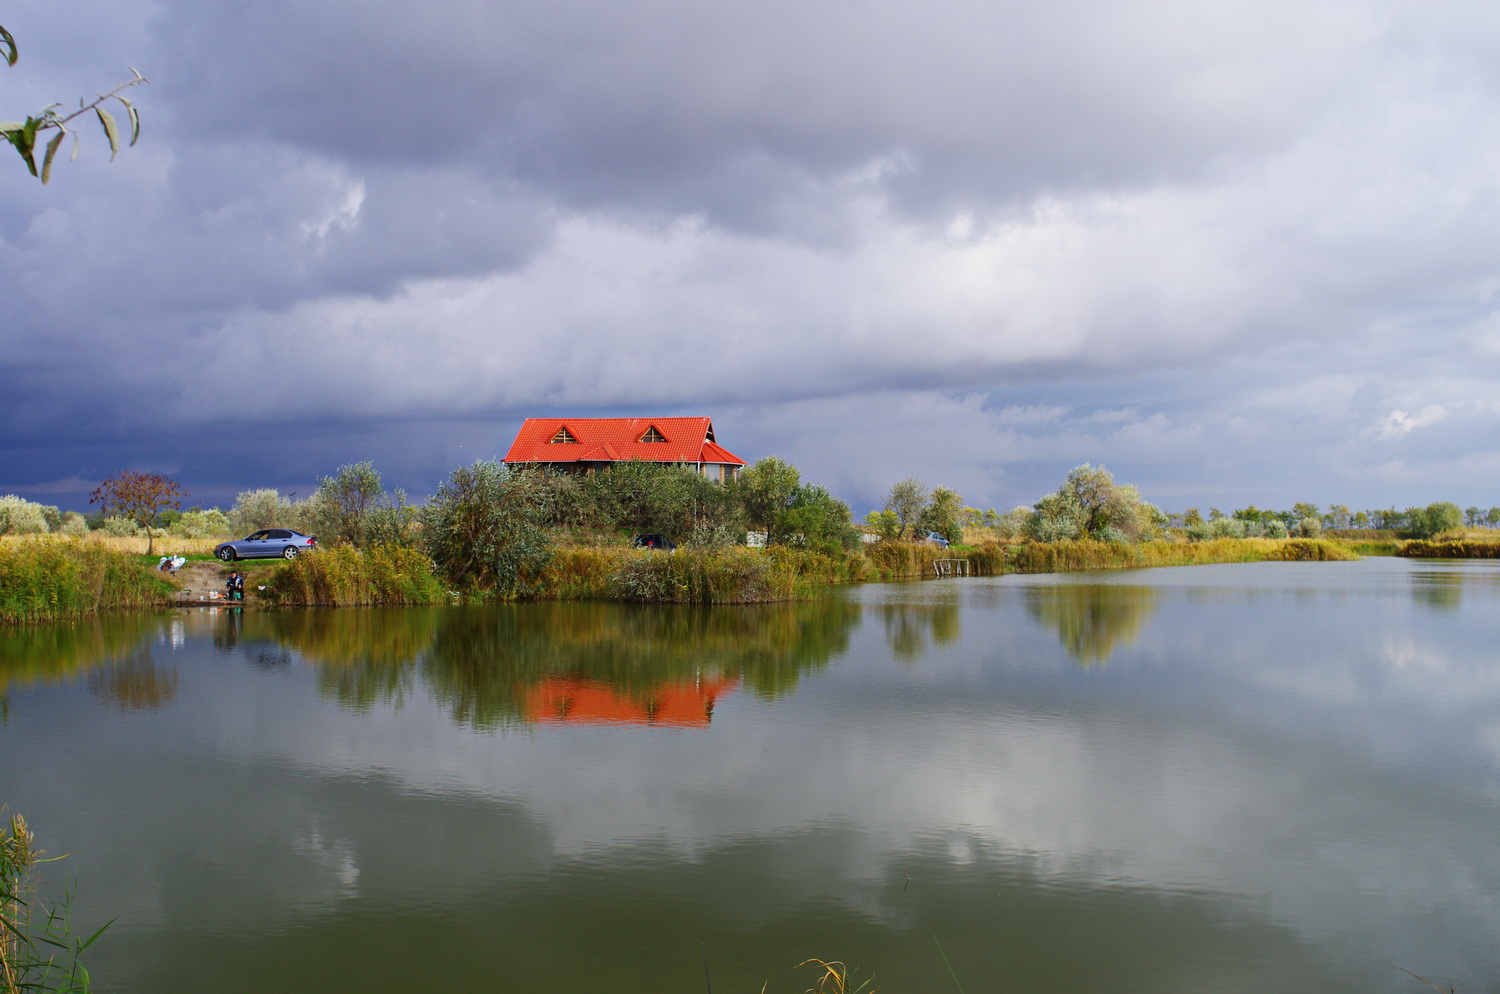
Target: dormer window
<point>652,435</point>
<point>563,437</point>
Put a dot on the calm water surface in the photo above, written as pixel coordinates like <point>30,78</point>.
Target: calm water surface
<point>1247,778</point>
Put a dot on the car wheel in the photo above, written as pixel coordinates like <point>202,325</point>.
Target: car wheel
<point>290,552</point>
<point>226,554</point>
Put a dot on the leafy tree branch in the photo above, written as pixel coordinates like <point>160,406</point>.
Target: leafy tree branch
<point>24,136</point>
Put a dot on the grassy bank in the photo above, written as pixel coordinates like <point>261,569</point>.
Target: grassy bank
<point>55,579</point>
<point>1066,557</point>
<point>1465,548</point>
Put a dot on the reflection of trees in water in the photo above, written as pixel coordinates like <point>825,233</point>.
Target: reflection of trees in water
<point>1442,589</point>
<point>363,656</point>
<point>484,662</point>
<point>909,627</point>
<point>134,683</point>
<point>43,654</point>
<point>1092,619</point>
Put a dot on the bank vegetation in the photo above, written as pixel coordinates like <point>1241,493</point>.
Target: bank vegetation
<point>493,532</point>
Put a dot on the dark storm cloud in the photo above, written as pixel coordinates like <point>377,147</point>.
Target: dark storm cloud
<point>1243,248</point>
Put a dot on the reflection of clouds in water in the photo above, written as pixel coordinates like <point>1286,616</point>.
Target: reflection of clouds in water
<point>333,860</point>
<point>1236,748</point>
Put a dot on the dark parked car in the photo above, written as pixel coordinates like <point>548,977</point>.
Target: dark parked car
<point>655,542</point>
<point>268,543</point>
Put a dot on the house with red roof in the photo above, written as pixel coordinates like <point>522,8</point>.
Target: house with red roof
<point>586,445</point>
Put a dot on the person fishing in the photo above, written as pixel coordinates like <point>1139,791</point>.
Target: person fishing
<point>236,586</point>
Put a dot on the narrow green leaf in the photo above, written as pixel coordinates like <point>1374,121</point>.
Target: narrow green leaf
<point>51,151</point>
<point>73,157</point>
<point>8,44</point>
<point>8,126</point>
<point>135,119</point>
<point>23,146</point>
<point>110,131</point>
<point>96,935</point>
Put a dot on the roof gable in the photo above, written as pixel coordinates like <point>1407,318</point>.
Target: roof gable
<point>673,440</point>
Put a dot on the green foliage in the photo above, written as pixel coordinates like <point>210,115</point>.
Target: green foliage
<point>52,579</point>
<point>1434,519</point>
<point>641,497</point>
<point>38,950</point>
<point>908,501</point>
<point>766,490</point>
<point>120,527</point>
<point>1308,527</point>
<point>1090,504</point>
<point>815,519</point>
<point>944,514</point>
<point>484,529</point>
<point>141,497</point>
<point>266,508</point>
<point>885,523</point>
<point>343,501</point>
<point>25,135</point>
<point>19,516</point>
<point>1217,528</point>
<point>344,576</point>
<point>201,524</point>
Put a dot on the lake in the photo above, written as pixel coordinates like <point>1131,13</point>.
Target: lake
<point>1246,778</point>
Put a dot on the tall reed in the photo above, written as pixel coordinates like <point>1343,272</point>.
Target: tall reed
<point>38,950</point>
<point>57,578</point>
<point>1062,557</point>
<point>344,576</point>
<point>718,576</point>
<point>1466,548</point>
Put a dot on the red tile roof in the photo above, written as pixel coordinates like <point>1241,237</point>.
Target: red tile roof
<point>687,440</point>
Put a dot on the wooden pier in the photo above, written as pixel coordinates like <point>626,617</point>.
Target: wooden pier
<point>950,567</point>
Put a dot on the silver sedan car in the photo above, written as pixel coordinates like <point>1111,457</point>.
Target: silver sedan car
<point>268,543</point>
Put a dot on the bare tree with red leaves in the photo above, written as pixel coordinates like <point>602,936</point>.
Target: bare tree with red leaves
<point>141,497</point>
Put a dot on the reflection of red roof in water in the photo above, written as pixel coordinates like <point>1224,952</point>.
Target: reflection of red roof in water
<point>589,702</point>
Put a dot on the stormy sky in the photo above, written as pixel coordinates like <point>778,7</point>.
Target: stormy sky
<point>1240,252</point>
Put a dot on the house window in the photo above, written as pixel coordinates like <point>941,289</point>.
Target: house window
<point>563,437</point>
<point>652,435</point>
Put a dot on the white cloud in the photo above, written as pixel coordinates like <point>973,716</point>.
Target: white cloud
<point>1399,423</point>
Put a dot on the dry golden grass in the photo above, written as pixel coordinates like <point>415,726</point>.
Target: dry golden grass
<point>133,544</point>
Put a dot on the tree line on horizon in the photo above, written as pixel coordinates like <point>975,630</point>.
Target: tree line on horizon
<point>770,498</point>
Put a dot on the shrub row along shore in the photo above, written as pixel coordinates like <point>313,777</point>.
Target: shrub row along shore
<point>51,580</point>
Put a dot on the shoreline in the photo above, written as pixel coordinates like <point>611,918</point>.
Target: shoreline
<point>64,580</point>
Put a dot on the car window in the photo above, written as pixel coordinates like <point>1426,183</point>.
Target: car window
<point>255,536</point>
<point>279,533</point>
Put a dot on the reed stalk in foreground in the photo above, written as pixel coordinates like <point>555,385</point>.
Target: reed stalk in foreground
<point>38,950</point>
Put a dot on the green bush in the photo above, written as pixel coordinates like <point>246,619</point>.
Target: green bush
<point>343,576</point>
<point>200,524</point>
<point>484,529</point>
<point>19,516</point>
